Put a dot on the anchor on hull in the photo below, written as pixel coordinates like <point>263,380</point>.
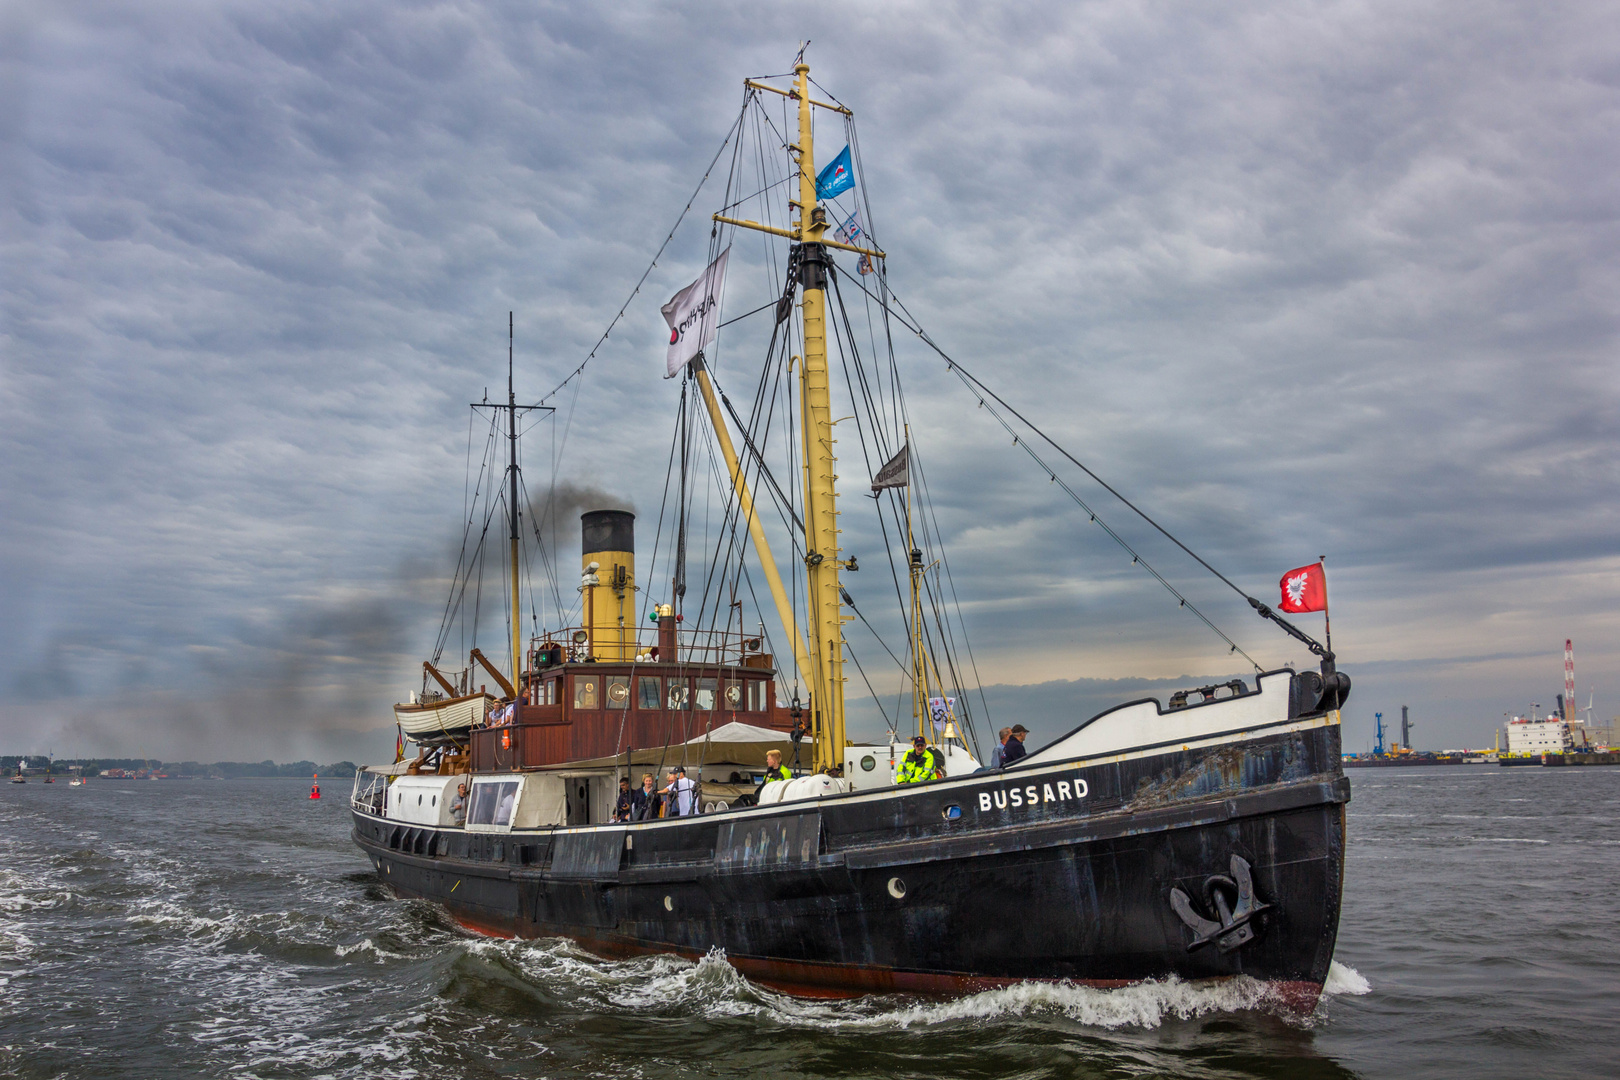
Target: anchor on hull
<point>1234,929</point>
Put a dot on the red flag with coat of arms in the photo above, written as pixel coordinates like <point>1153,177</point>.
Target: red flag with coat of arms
<point>1303,589</point>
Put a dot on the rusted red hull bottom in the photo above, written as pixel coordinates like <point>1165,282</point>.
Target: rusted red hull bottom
<point>843,981</point>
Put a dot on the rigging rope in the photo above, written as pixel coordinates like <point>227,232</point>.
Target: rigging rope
<point>656,256</point>
<point>981,392</point>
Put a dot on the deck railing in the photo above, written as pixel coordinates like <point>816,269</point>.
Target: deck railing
<point>728,647</point>
<point>370,791</point>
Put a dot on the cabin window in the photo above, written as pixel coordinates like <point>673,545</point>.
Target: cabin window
<point>680,695</point>
<point>492,803</point>
<point>618,692</point>
<point>587,692</point>
<point>734,695</point>
<point>648,693</point>
<point>548,692</point>
<point>705,694</point>
<point>756,695</point>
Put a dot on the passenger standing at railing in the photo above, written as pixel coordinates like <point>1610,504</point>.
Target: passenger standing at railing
<point>458,806</point>
<point>1015,745</point>
<point>623,809</point>
<point>998,756</point>
<point>648,802</point>
<point>682,793</point>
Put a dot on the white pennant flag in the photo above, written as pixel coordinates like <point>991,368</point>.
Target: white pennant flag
<point>693,315</point>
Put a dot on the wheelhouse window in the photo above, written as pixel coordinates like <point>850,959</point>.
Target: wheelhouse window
<point>492,803</point>
<point>618,692</point>
<point>680,695</point>
<point>705,694</point>
<point>649,695</point>
<point>756,695</point>
<point>587,692</point>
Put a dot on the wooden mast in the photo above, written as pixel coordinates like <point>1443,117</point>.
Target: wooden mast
<point>512,507</point>
<point>514,516</point>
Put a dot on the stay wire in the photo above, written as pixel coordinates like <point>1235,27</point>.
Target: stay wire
<point>736,124</point>
<point>980,391</point>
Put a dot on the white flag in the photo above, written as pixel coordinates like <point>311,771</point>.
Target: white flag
<point>693,315</point>
<point>896,473</point>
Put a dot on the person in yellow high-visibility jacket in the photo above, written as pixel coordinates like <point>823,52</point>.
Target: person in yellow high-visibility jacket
<point>774,769</point>
<point>921,764</point>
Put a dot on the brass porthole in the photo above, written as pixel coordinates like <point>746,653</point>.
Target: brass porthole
<point>897,888</point>
<point>669,904</point>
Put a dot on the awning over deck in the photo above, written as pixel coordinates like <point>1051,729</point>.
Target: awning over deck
<point>398,768</point>
<point>729,744</point>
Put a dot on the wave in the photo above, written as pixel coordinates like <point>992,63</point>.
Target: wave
<point>556,970</point>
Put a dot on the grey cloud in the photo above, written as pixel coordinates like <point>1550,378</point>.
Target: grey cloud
<point>1327,279</point>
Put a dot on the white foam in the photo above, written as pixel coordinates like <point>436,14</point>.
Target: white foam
<point>1144,1005</point>
<point>712,987</point>
<point>367,945</point>
<point>1344,981</point>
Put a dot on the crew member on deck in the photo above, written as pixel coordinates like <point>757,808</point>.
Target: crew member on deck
<point>774,769</point>
<point>458,806</point>
<point>922,763</point>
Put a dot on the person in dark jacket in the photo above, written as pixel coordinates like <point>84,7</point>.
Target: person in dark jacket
<point>1014,748</point>
<point>647,802</point>
<point>622,810</point>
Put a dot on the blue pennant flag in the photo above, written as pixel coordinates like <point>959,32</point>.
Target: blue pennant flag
<point>837,178</point>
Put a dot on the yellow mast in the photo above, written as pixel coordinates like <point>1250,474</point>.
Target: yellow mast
<point>825,608</point>
<point>919,682</point>
<point>823,662</point>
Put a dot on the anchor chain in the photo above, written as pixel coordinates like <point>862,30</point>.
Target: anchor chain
<point>1234,929</point>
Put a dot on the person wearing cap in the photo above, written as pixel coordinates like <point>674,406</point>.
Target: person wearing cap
<point>682,793</point>
<point>1014,747</point>
<point>920,764</point>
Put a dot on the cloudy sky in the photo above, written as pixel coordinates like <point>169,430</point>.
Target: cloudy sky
<point>1320,278</point>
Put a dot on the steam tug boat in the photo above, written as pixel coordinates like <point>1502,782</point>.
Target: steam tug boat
<point>1200,838</point>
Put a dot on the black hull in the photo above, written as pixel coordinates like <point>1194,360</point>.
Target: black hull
<point>1061,888</point>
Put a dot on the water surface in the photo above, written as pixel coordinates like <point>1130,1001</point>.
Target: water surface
<point>205,928</point>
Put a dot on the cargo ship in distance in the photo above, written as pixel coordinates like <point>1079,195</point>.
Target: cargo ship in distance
<point>1201,838</point>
